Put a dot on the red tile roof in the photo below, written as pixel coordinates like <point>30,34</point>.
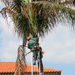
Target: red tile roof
<point>9,67</point>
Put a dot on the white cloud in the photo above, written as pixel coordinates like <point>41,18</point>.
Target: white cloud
<point>9,43</point>
<point>1,4</point>
<point>59,46</point>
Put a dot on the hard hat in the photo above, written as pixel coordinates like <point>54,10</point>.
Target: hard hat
<point>28,38</point>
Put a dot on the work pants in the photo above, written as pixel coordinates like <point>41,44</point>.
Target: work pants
<point>37,55</point>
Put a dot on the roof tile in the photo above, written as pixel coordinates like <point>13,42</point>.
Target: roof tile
<point>9,67</point>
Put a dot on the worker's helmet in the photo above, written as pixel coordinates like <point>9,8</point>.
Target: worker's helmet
<point>28,38</point>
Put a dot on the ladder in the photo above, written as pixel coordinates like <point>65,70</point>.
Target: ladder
<point>37,64</point>
<point>21,46</point>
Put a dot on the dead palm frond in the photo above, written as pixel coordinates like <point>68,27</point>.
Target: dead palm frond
<point>20,62</point>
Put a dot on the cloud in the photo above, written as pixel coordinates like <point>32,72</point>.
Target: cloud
<point>59,45</point>
<point>9,42</point>
<point>1,4</point>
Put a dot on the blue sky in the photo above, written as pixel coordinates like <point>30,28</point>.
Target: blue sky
<point>59,46</point>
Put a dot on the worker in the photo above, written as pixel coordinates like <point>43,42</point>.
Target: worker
<point>37,53</point>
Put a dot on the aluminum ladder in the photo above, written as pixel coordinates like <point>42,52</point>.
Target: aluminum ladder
<point>32,65</point>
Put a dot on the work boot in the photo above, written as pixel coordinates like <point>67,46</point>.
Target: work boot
<point>41,73</point>
<point>34,63</point>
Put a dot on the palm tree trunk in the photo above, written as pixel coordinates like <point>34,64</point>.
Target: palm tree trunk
<point>24,49</point>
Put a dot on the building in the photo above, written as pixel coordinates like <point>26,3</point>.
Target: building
<point>8,68</point>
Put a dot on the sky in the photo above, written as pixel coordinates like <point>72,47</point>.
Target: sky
<point>58,45</point>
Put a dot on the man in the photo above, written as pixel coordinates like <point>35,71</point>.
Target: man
<point>37,51</point>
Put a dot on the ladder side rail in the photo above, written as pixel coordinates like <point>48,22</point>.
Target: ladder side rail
<point>31,63</point>
<point>39,64</point>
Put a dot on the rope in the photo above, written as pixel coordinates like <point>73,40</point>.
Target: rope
<point>27,53</point>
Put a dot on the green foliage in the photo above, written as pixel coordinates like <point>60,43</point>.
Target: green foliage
<point>37,17</point>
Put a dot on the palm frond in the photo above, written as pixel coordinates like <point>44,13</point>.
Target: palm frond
<point>37,16</point>
<point>50,12</point>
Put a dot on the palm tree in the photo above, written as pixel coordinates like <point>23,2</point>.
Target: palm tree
<point>35,17</point>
